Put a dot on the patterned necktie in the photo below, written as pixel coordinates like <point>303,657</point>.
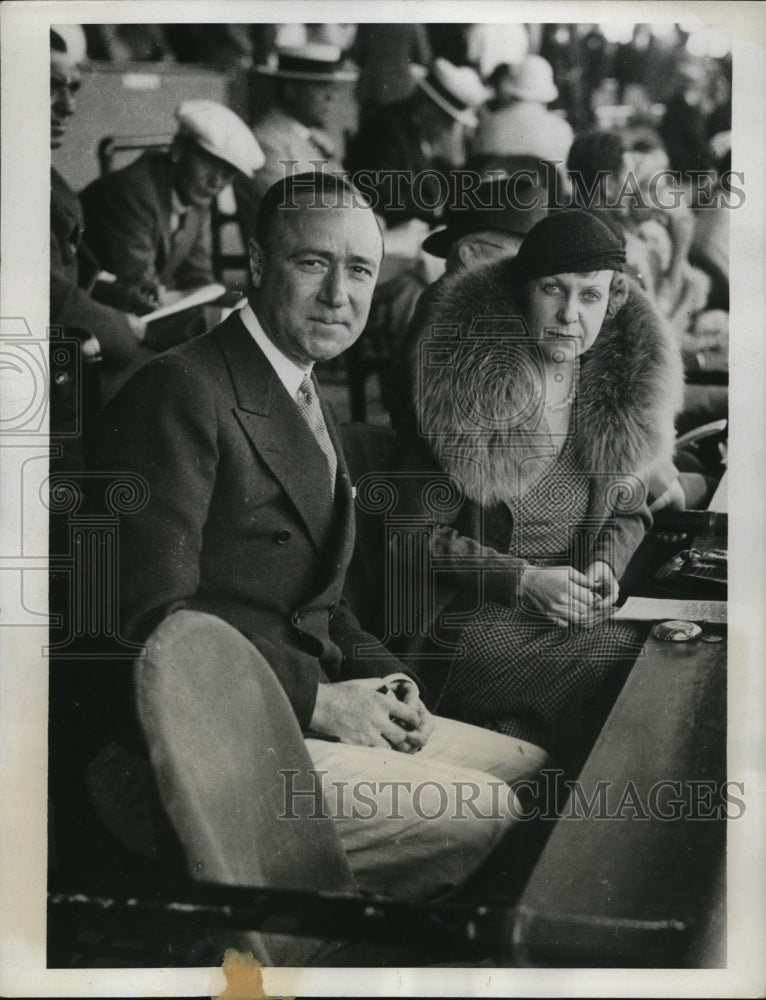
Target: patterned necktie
<point>311,411</point>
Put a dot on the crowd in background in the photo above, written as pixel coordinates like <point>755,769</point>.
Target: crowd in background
<point>614,105</point>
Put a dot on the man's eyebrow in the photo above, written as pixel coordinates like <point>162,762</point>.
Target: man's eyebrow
<point>329,255</point>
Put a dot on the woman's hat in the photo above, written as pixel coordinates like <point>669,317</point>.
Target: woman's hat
<point>312,63</point>
<point>455,89</point>
<point>570,242</point>
<point>217,130</point>
<point>532,80</point>
<point>501,204</point>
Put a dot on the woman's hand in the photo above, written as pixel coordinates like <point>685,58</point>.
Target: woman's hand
<point>561,593</point>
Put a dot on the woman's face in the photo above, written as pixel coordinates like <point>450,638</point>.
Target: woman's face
<point>567,311</point>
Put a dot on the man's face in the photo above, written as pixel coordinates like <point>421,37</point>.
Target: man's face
<point>569,308</point>
<point>315,278</point>
<point>65,82</point>
<point>312,103</point>
<point>199,176</point>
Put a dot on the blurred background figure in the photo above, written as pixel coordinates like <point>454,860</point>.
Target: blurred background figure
<point>683,127</point>
<point>490,45</point>
<point>294,131</point>
<point>150,222</point>
<point>110,330</point>
<point>420,138</point>
<point>492,225</point>
<point>517,121</point>
<point>384,53</point>
<point>488,227</point>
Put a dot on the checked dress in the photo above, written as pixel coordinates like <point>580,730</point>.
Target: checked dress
<point>515,670</point>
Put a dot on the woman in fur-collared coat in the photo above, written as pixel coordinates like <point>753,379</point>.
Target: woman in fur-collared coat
<point>546,388</point>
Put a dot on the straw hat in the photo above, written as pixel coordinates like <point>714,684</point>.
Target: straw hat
<point>313,63</point>
<point>456,89</point>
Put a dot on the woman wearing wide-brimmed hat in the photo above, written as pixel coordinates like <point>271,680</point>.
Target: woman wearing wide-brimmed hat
<point>546,388</point>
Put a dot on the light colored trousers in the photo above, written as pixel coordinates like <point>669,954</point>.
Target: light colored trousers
<point>230,763</point>
<point>415,825</point>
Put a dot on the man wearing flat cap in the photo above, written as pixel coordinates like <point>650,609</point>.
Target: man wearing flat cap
<point>149,222</point>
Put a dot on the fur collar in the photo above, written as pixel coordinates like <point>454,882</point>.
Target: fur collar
<point>479,388</point>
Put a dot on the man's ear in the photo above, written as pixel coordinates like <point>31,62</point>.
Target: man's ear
<point>467,255</point>
<point>257,262</point>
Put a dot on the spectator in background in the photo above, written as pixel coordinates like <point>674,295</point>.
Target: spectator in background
<point>491,225</point>
<point>490,45</point>
<point>450,42</point>
<point>406,156</point>
<point>684,125</point>
<point>517,121</point>
<point>605,176</point>
<point>293,132</point>
<point>384,53</point>
<point>487,228</point>
<point>420,138</point>
<point>116,332</point>
<point>150,221</point>
<point>562,46</point>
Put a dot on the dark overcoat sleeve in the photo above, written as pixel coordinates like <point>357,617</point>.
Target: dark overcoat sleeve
<point>122,225</point>
<point>72,306</point>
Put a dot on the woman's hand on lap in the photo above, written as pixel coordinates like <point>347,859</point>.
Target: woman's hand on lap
<point>561,593</point>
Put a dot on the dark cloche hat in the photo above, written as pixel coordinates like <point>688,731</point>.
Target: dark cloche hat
<point>569,242</point>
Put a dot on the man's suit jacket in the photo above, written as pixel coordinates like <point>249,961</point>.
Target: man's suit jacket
<point>240,522</point>
<point>73,268</point>
<point>127,215</point>
<point>281,142</point>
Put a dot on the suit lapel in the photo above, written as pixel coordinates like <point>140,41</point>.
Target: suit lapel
<point>276,430</point>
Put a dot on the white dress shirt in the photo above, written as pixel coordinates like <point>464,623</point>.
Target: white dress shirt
<point>289,373</point>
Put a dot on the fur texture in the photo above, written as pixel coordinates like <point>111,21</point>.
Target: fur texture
<point>480,388</point>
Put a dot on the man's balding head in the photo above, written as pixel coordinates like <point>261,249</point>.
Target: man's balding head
<point>314,263</point>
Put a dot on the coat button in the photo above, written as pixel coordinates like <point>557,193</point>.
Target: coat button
<point>282,536</point>
<point>297,619</point>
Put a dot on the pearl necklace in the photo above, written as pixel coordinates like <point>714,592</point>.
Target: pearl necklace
<point>572,389</point>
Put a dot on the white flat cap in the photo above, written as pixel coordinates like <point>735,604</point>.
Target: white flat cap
<point>219,131</point>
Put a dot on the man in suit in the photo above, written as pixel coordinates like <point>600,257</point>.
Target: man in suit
<point>250,519</point>
<point>149,223</point>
